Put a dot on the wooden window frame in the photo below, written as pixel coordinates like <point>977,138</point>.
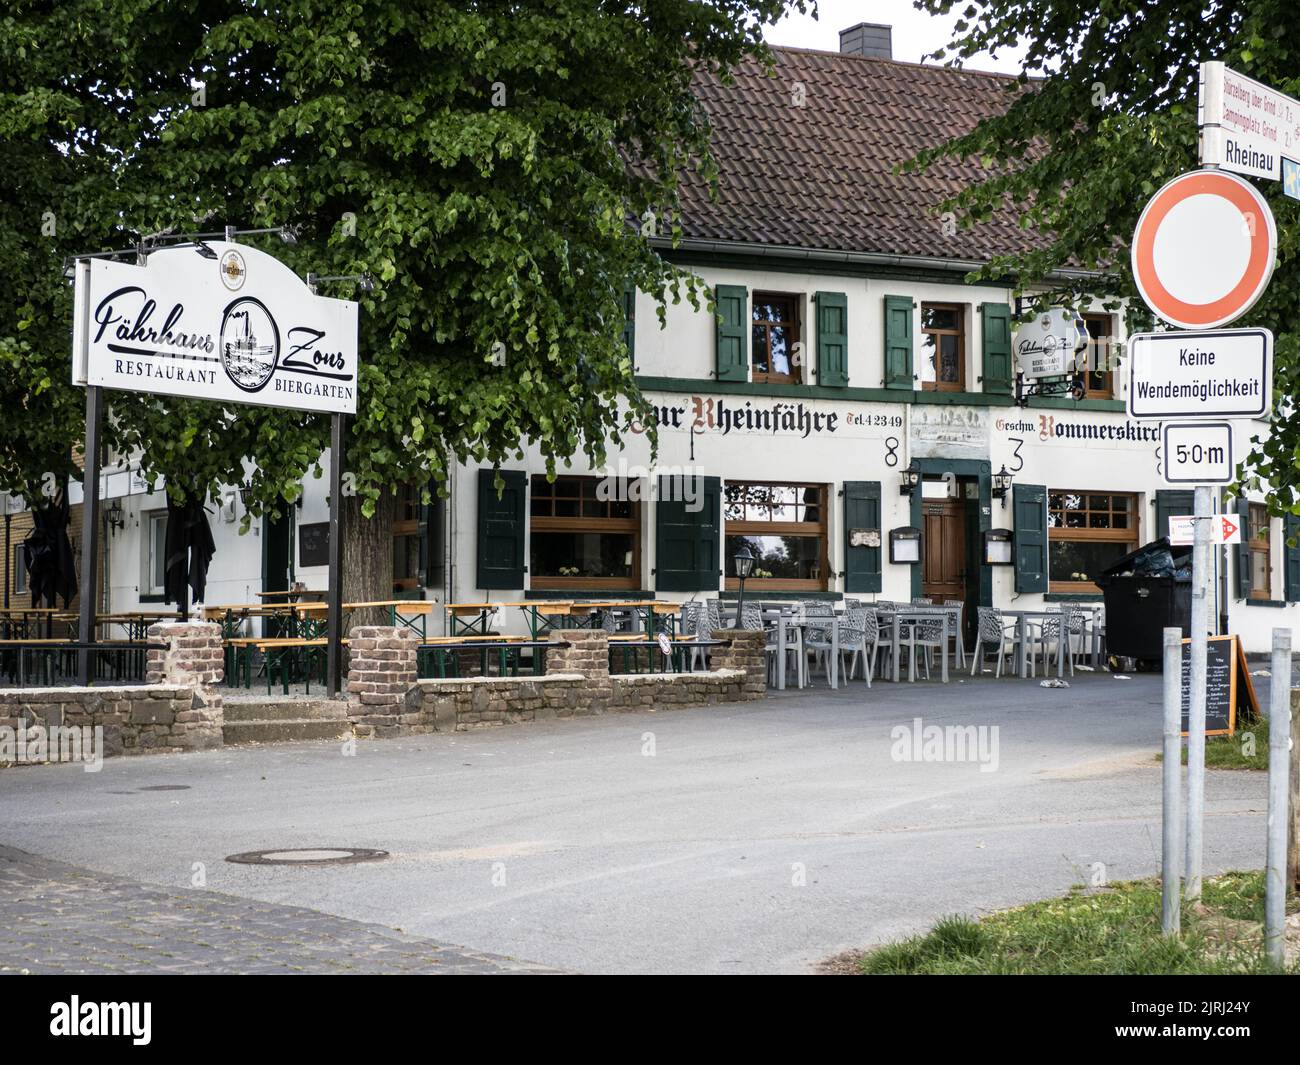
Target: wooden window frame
<point>1129,536</point>
<point>151,517</point>
<point>406,522</point>
<point>1259,519</point>
<point>795,326</point>
<point>959,332</point>
<point>580,525</point>
<point>818,529</point>
<point>1107,392</point>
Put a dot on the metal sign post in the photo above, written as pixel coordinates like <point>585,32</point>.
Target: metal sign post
<point>334,605</point>
<point>1279,772</point>
<point>1171,770</point>
<point>90,533</point>
<point>1196,692</point>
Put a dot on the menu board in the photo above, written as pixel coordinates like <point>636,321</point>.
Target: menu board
<point>1228,688</point>
<point>314,544</point>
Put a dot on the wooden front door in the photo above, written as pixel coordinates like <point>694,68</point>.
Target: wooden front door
<point>944,540</point>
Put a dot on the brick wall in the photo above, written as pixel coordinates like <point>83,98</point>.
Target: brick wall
<point>382,697</point>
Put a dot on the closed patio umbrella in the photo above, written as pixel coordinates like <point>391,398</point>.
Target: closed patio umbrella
<point>51,569</point>
<point>189,549</point>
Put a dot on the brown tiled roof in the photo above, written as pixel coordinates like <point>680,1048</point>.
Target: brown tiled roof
<point>821,176</point>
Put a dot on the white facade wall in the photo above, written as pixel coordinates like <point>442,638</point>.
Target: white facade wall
<point>855,440</point>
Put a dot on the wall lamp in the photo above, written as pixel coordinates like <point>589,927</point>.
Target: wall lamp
<point>1001,485</point>
<point>911,478</point>
<point>114,517</point>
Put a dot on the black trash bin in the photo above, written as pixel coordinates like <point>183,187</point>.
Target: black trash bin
<point>1147,591</point>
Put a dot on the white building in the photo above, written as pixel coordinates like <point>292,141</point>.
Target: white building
<point>849,349</point>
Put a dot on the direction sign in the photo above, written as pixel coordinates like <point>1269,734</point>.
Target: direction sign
<point>1197,453</point>
<point>1222,373</point>
<point>1245,125</point>
<point>1204,249</point>
<point>1224,529</point>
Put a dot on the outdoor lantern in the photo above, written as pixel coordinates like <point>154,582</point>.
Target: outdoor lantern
<point>905,544</point>
<point>744,560</point>
<point>997,547</point>
<point>1002,485</point>
<point>911,478</point>
<point>113,515</point>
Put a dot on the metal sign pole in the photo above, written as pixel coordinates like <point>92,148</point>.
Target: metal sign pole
<point>1279,772</point>
<point>1196,692</point>
<point>1171,770</point>
<point>90,531</point>
<point>334,597</point>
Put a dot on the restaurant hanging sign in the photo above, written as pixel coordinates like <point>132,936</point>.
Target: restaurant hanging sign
<point>242,328</point>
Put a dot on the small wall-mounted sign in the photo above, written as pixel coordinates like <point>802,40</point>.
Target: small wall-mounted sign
<point>998,547</point>
<point>905,544</point>
<point>864,537</point>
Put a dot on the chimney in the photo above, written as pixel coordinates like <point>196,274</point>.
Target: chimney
<point>871,39</point>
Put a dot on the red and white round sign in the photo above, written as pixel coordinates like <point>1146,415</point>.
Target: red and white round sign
<point>1204,249</point>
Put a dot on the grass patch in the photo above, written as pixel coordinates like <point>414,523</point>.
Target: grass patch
<point>1111,931</point>
<point>1248,749</point>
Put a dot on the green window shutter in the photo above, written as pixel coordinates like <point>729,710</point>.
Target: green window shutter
<point>1243,549</point>
<point>861,511</point>
<point>733,332</point>
<point>898,342</point>
<point>501,530</point>
<point>1029,504</point>
<point>629,322</point>
<point>832,339</point>
<point>1169,503</point>
<point>1291,557</point>
<point>688,535</point>
<point>999,373</point>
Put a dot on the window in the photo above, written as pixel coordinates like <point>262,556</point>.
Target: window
<point>20,569</point>
<point>943,347</point>
<point>775,334</point>
<point>578,539</point>
<point>1087,533</point>
<point>406,540</point>
<point>156,548</point>
<point>1261,567</point>
<point>1098,380</point>
<point>784,526</point>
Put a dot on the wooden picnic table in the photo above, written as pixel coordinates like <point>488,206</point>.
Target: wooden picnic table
<point>290,593</point>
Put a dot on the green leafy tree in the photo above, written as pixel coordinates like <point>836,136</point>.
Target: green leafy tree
<point>1110,117</point>
<point>497,168</point>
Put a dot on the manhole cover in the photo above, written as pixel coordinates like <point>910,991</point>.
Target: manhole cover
<point>167,787</point>
<point>309,856</point>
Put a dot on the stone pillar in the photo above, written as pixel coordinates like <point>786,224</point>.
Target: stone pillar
<point>743,650</point>
<point>382,694</point>
<point>193,657</point>
<point>588,655</point>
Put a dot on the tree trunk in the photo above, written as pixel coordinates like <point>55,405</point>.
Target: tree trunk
<point>368,558</point>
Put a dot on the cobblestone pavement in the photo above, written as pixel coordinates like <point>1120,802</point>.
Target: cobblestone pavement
<point>57,918</point>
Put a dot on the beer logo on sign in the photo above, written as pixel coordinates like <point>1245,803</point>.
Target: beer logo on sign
<point>250,344</point>
<point>233,270</point>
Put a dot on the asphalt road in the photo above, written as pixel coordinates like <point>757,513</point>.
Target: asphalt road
<point>757,837</point>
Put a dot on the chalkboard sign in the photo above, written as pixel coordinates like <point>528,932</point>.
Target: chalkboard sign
<point>1228,689</point>
<point>314,544</point>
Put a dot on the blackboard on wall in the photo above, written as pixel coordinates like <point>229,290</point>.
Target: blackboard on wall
<point>314,544</point>
<point>1228,688</point>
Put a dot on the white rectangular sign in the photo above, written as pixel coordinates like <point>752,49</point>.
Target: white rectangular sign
<point>1197,453</point>
<point>1224,529</point>
<point>1246,126</point>
<point>240,328</point>
<point>1217,373</point>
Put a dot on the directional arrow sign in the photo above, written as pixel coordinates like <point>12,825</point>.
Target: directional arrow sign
<point>1197,453</point>
<point>1224,529</point>
<point>1220,373</point>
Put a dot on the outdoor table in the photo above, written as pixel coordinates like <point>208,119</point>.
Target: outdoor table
<point>291,594</point>
<point>1023,617</point>
<point>678,657</point>
<point>503,645</point>
<point>420,608</point>
<point>544,615</point>
<point>785,623</point>
<point>903,616</point>
<point>470,619</point>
